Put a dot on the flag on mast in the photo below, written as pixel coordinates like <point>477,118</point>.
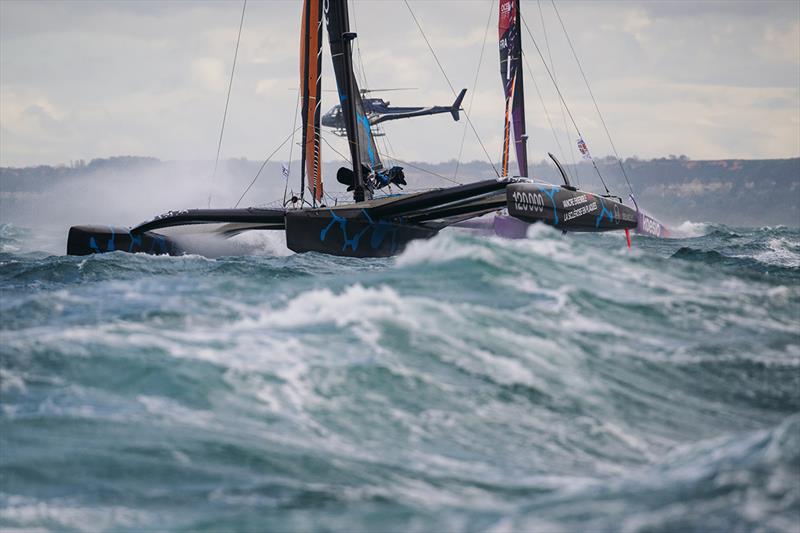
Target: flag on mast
<point>583,149</point>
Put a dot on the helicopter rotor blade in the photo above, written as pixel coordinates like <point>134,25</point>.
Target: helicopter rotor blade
<point>390,89</point>
<point>365,91</point>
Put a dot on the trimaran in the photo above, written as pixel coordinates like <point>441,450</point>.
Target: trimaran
<point>369,226</point>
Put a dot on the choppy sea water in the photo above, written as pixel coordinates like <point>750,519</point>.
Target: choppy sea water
<point>558,383</point>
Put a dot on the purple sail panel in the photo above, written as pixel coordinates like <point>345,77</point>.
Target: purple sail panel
<point>511,75</point>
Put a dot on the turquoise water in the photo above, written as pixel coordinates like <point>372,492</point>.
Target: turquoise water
<point>559,383</point>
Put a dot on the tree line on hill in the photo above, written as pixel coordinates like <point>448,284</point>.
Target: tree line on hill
<point>675,188</point>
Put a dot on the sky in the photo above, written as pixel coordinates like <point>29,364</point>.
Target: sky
<point>91,79</point>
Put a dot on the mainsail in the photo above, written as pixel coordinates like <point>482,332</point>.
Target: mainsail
<point>311,87</point>
<point>363,151</point>
<point>511,74</point>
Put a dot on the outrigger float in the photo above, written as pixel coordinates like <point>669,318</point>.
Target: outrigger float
<point>565,207</point>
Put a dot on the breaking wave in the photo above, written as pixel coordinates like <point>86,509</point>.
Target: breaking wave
<point>552,383</point>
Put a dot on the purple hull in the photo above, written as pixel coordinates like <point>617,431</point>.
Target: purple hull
<point>647,225</point>
<point>510,228</point>
<point>504,226</point>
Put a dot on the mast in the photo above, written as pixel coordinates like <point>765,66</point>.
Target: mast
<point>363,152</point>
<point>311,87</point>
<point>511,75</point>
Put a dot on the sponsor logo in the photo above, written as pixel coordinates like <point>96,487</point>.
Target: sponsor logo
<point>650,226</point>
<point>588,208</point>
<point>575,200</point>
<point>528,201</point>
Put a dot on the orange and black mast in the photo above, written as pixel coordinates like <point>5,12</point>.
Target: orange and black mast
<point>311,91</point>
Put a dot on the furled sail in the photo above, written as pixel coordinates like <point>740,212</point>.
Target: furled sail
<point>363,151</point>
<point>511,74</point>
<point>311,87</point>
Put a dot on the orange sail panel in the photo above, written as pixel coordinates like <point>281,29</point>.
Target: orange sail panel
<point>311,92</point>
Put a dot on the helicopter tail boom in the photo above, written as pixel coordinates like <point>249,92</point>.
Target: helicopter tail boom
<point>422,111</point>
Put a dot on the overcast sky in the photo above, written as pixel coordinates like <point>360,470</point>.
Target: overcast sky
<point>101,78</point>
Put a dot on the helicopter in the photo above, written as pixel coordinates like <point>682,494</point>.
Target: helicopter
<point>379,110</point>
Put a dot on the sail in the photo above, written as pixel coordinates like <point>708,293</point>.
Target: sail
<point>362,144</point>
<point>311,87</point>
<point>511,74</point>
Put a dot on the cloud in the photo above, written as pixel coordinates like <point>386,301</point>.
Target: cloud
<point>265,86</point>
<point>781,44</point>
<point>87,79</point>
<point>210,73</point>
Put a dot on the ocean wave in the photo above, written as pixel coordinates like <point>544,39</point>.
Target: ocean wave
<point>689,229</point>
<point>556,382</point>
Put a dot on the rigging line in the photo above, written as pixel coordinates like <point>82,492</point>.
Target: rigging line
<point>291,146</point>
<point>560,105</point>
<point>549,121</point>
<point>265,164</point>
<point>541,56</point>
<point>441,68</point>
<point>469,120</point>
<point>432,173</point>
<point>358,45</point>
<point>544,106</point>
<point>400,161</point>
<point>586,81</point>
<point>387,146</point>
<point>474,86</point>
<point>227,100</point>
<point>345,157</point>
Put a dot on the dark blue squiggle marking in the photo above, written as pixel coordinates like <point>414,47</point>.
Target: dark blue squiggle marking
<point>135,241</point>
<point>351,242</point>
<point>93,245</point>
<point>379,233</point>
<point>380,230</point>
<point>110,245</point>
<point>355,240</point>
<point>366,215</point>
<point>550,193</point>
<point>161,242</point>
<point>336,218</point>
<point>603,211</point>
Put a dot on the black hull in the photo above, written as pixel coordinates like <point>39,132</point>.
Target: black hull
<point>375,228</point>
<point>567,209</point>
<point>87,240</point>
<point>349,232</point>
